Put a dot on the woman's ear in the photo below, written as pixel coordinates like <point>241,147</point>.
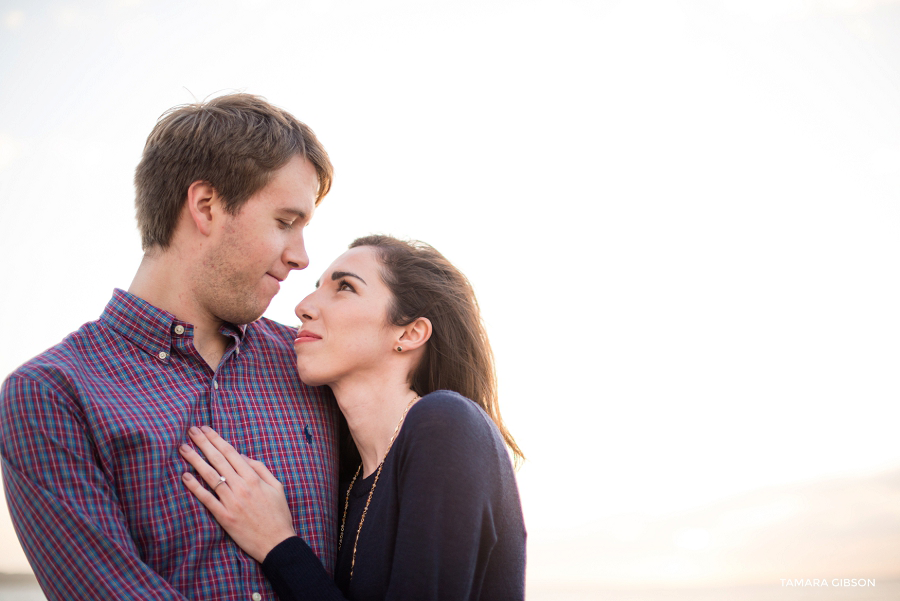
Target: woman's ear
<point>415,334</point>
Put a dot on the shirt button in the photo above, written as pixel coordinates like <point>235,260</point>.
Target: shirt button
<point>256,597</point>
<point>179,329</point>
<point>215,385</point>
<point>163,355</point>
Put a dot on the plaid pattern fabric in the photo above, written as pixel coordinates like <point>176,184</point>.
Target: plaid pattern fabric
<point>89,436</point>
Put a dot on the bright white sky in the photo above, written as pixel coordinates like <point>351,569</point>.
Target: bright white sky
<point>681,218</point>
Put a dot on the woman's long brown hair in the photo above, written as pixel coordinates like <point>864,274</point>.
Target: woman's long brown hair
<point>458,355</point>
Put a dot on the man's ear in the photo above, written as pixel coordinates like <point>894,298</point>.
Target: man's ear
<point>201,196</point>
<point>415,334</point>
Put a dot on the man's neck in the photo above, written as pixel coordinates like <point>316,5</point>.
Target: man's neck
<point>162,281</point>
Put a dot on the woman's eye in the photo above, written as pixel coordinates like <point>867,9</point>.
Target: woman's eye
<point>345,286</point>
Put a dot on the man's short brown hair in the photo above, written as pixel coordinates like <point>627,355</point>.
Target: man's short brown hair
<point>235,142</point>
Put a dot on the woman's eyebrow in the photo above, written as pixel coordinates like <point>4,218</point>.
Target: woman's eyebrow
<point>342,274</point>
<point>346,274</point>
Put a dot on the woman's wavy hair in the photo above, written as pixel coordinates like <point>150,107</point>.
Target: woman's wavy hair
<point>458,355</point>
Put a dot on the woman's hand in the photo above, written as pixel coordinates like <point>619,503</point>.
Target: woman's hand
<point>250,504</point>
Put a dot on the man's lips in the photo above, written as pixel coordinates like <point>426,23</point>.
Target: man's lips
<point>277,281</point>
<point>305,336</point>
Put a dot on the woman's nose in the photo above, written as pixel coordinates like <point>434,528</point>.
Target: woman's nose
<point>305,310</point>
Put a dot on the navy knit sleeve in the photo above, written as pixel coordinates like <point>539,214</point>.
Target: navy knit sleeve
<point>460,532</point>
<point>297,574</point>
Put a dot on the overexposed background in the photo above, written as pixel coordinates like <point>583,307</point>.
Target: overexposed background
<point>681,219</point>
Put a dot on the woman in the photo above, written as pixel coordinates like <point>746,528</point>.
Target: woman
<point>432,511</point>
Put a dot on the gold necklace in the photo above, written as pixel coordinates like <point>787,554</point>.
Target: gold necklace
<point>371,491</point>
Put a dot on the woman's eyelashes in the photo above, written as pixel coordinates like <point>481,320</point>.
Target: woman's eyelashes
<point>345,285</point>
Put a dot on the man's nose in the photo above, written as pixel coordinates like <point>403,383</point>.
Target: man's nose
<point>295,254</point>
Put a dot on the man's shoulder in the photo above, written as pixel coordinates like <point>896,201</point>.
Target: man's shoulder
<point>54,367</point>
<point>267,330</point>
<point>275,343</point>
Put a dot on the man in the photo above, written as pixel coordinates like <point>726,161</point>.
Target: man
<point>90,429</point>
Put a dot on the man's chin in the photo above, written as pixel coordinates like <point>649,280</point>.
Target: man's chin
<point>242,317</point>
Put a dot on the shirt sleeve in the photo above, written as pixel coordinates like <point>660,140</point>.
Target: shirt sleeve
<point>454,477</point>
<point>297,574</point>
<point>64,510</point>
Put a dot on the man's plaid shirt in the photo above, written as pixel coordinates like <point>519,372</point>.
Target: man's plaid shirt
<point>89,437</point>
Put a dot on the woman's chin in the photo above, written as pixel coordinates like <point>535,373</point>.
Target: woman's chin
<point>308,378</point>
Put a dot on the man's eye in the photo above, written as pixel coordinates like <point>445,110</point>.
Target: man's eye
<point>285,225</point>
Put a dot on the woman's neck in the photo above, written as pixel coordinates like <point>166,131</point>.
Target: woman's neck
<point>373,410</point>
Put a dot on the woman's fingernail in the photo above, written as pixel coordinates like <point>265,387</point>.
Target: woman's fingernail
<point>195,431</point>
<point>184,448</point>
<point>186,477</point>
<point>206,428</point>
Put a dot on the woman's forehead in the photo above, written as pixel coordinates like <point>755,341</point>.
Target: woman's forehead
<point>361,260</point>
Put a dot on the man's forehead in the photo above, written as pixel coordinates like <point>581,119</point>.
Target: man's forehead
<point>292,188</point>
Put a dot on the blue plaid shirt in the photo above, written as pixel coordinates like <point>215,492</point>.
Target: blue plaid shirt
<point>89,437</point>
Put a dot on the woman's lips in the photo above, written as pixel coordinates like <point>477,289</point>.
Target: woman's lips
<point>305,336</point>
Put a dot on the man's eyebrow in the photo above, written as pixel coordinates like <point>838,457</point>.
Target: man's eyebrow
<point>298,213</point>
<point>336,275</point>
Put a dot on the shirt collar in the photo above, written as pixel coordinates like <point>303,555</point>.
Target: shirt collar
<point>151,329</point>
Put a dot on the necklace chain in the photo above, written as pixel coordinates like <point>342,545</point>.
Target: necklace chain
<point>371,490</point>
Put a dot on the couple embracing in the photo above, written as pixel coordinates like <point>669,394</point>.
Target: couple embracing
<point>183,446</point>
